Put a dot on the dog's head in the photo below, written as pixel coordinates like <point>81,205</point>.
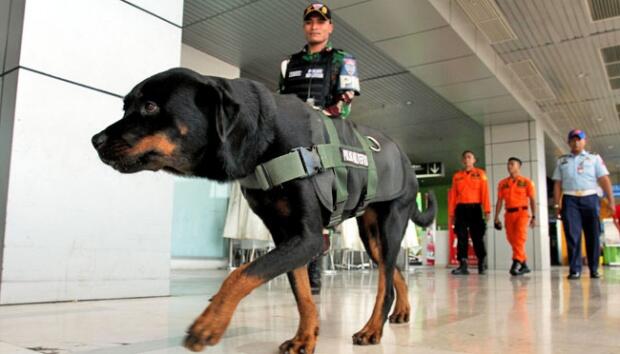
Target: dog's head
<point>168,122</point>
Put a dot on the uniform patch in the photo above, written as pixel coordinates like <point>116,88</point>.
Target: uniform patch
<point>349,66</point>
<point>316,73</point>
<point>295,73</point>
<point>354,157</point>
<point>348,82</point>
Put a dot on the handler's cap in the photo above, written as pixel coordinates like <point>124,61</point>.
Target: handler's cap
<point>576,133</point>
<point>318,8</point>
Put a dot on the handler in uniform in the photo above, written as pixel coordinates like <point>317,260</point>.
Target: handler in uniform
<point>575,178</point>
<point>517,192</point>
<point>468,211</point>
<point>322,76</point>
<point>325,78</point>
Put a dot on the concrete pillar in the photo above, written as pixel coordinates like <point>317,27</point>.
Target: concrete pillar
<point>525,141</point>
<point>71,227</point>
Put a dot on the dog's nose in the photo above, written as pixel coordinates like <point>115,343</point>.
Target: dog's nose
<point>99,139</point>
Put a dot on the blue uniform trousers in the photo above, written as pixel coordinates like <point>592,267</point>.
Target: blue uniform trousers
<point>582,213</point>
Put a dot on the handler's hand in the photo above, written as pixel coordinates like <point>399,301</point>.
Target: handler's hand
<point>611,209</point>
<point>498,225</point>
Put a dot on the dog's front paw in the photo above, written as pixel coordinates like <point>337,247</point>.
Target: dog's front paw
<point>299,345</point>
<point>203,333</point>
<point>368,335</point>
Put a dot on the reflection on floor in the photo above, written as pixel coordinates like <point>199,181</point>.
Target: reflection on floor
<point>494,313</point>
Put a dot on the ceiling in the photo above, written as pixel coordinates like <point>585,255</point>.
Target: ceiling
<point>564,43</point>
<point>421,83</point>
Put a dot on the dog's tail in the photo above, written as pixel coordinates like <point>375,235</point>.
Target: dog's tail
<point>424,219</point>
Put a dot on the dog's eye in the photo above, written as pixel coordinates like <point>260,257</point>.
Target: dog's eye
<point>150,108</point>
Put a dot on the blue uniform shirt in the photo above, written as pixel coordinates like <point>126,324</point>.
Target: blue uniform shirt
<point>579,172</point>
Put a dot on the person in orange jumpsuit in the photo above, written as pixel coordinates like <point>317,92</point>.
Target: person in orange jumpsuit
<point>517,192</point>
<point>468,210</point>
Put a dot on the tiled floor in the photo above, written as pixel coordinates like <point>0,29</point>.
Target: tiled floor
<point>541,313</point>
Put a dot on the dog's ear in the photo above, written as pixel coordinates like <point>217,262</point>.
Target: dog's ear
<point>215,96</point>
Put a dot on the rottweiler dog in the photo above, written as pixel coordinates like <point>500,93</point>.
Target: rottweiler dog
<point>200,126</point>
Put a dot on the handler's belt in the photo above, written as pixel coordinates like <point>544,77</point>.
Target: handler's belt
<point>304,162</point>
<point>515,209</point>
<point>580,193</point>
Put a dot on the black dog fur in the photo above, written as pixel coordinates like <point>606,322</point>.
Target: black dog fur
<point>193,125</point>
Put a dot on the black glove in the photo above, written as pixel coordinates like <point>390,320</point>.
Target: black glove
<point>498,226</point>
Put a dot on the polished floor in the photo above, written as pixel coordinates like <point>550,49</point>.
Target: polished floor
<point>494,313</point>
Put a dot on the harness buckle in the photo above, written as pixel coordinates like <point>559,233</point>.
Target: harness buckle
<point>310,160</point>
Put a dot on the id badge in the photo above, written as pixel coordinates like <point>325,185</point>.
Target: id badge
<point>580,169</point>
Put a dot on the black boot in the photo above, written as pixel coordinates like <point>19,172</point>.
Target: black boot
<point>524,268</point>
<point>314,274</point>
<point>514,269</point>
<point>482,267</point>
<point>462,269</point>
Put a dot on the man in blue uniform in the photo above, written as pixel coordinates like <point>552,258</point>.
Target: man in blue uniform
<point>576,178</point>
<point>324,77</point>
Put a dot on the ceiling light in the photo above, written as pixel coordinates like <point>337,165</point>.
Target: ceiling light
<point>610,147</point>
<point>408,103</point>
<point>582,75</point>
<point>599,119</point>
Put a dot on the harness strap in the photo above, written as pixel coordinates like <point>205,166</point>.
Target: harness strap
<point>305,162</point>
<point>342,193</point>
<point>371,185</point>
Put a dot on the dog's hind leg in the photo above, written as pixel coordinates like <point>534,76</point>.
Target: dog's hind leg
<point>401,311</point>
<point>308,330</point>
<point>382,228</point>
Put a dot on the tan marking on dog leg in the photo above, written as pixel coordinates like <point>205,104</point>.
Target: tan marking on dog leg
<point>158,142</point>
<point>401,311</point>
<point>308,330</point>
<point>211,324</point>
<point>373,330</point>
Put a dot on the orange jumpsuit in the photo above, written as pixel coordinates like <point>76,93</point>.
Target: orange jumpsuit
<point>516,193</point>
<point>469,188</point>
<point>468,200</point>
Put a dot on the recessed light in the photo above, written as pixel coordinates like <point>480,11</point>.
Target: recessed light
<point>408,103</point>
<point>599,119</point>
<point>610,147</point>
<point>582,75</point>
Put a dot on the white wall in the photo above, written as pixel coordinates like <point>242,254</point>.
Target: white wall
<point>205,64</point>
<point>75,228</point>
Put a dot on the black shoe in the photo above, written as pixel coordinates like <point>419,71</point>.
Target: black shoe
<point>524,268</point>
<point>462,269</point>
<point>595,275</point>
<point>514,270</point>
<point>575,275</point>
<point>315,290</point>
<point>481,268</point>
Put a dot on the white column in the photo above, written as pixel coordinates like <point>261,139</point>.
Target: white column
<point>74,228</point>
<point>525,141</point>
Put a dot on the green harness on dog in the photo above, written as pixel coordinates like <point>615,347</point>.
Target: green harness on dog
<point>304,162</point>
